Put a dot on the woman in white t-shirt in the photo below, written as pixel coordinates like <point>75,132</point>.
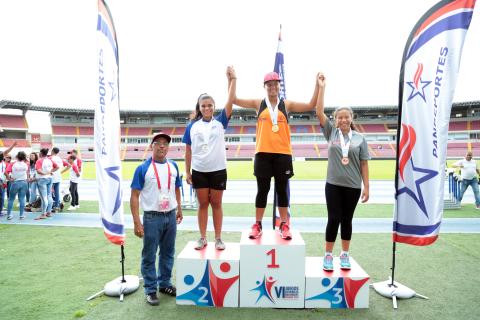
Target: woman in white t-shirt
<point>469,172</point>
<point>45,167</point>
<point>206,162</point>
<point>18,174</point>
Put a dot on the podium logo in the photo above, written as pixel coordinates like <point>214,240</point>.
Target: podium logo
<point>210,289</point>
<point>265,287</point>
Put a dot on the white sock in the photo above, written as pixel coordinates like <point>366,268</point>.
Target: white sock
<point>328,253</point>
<point>344,252</point>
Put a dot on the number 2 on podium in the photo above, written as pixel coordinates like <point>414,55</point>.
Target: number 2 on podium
<point>273,263</point>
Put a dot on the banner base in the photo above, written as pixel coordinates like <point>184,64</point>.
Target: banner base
<point>394,291</point>
<point>119,288</point>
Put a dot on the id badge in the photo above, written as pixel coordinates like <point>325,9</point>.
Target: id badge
<point>164,202</point>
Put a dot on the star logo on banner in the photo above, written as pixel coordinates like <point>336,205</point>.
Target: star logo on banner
<point>418,85</point>
<point>413,188</point>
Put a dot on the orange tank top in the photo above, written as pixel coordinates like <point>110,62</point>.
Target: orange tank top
<point>267,140</point>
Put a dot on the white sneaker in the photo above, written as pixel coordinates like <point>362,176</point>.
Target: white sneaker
<point>77,206</point>
<point>72,208</point>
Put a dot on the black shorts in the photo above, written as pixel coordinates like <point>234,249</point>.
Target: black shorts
<point>276,165</point>
<point>216,180</point>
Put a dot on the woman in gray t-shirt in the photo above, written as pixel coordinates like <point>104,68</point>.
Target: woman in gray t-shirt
<point>347,168</point>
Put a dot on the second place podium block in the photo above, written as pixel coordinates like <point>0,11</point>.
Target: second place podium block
<point>272,271</point>
<point>208,277</point>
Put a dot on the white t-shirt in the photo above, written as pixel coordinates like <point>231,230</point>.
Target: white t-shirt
<point>207,140</point>
<point>57,175</point>
<point>469,170</point>
<point>144,179</point>
<point>18,170</point>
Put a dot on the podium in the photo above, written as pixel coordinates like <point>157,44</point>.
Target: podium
<point>335,289</point>
<point>272,271</point>
<point>208,277</point>
<point>267,272</point>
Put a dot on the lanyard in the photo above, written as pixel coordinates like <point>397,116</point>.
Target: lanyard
<point>273,110</point>
<point>207,129</point>
<point>345,146</point>
<point>158,179</point>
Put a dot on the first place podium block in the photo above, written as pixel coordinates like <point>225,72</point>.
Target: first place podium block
<point>272,271</point>
<point>208,277</point>
<point>337,288</point>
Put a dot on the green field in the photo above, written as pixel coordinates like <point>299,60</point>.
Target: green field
<point>243,170</point>
<point>48,272</point>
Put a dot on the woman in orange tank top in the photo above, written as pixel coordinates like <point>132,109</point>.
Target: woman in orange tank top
<point>273,151</point>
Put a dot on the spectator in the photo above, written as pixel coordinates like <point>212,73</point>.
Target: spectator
<point>156,186</point>
<point>3,179</point>
<point>74,177</point>
<point>45,167</point>
<point>57,178</point>
<point>469,172</point>
<point>18,174</point>
<point>33,178</point>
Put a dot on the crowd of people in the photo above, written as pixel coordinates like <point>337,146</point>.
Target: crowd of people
<point>35,180</point>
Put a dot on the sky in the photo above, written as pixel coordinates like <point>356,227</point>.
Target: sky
<point>172,51</point>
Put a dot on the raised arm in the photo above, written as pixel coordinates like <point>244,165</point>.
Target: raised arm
<point>293,106</point>
<point>7,151</point>
<point>232,86</point>
<point>320,107</point>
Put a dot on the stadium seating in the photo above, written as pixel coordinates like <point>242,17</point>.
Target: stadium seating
<point>64,130</point>
<point>12,122</point>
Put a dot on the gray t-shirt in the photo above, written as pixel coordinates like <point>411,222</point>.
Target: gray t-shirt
<point>345,175</point>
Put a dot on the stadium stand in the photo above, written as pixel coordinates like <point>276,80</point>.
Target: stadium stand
<point>71,128</point>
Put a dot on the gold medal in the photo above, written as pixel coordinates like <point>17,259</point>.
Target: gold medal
<point>275,128</point>
<point>345,161</point>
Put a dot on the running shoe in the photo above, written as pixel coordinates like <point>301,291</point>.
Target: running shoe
<point>328,262</point>
<point>345,261</point>
<point>256,231</point>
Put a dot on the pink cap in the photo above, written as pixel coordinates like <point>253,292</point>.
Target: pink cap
<point>271,76</point>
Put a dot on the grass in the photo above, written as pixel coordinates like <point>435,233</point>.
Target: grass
<point>47,273</point>
<point>243,170</point>
<point>303,210</point>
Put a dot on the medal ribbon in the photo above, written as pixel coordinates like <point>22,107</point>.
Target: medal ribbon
<point>345,146</point>
<point>206,130</point>
<point>273,110</point>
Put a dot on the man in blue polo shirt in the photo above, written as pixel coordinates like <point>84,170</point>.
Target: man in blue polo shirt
<point>156,185</point>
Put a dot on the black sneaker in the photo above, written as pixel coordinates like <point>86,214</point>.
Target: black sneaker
<point>152,299</point>
<point>171,291</point>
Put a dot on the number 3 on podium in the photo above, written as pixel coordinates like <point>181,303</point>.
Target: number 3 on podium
<point>273,263</point>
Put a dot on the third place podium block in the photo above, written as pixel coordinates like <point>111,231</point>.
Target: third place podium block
<point>208,277</point>
<point>337,288</point>
<point>272,271</point>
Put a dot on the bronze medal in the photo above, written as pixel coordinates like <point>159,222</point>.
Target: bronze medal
<point>345,161</point>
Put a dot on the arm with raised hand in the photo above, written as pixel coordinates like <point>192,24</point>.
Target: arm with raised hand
<point>293,106</point>
<point>320,106</point>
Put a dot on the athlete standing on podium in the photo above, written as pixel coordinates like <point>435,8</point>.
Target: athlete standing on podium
<point>206,162</point>
<point>347,167</point>
<point>273,151</point>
